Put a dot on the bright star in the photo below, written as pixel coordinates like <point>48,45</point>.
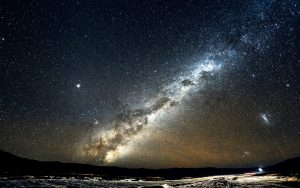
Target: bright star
<point>260,170</point>
<point>78,85</point>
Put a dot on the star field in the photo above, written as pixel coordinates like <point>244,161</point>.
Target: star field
<point>151,84</point>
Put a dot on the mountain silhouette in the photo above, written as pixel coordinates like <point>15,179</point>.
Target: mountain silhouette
<point>12,165</point>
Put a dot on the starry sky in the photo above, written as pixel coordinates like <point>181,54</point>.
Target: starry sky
<point>153,83</point>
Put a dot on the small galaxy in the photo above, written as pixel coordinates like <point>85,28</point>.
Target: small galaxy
<point>151,84</point>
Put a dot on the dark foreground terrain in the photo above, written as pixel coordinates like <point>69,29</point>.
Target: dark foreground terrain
<point>21,172</point>
<point>210,181</point>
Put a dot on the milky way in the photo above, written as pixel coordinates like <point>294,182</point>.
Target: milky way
<point>106,145</point>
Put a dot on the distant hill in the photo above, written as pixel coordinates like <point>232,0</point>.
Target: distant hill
<point>12,165</point>
<point>287,167</point>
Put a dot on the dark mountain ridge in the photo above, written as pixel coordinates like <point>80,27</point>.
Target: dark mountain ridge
<point>12,165</point>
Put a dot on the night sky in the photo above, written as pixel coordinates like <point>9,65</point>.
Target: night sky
<point>152,83</point>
